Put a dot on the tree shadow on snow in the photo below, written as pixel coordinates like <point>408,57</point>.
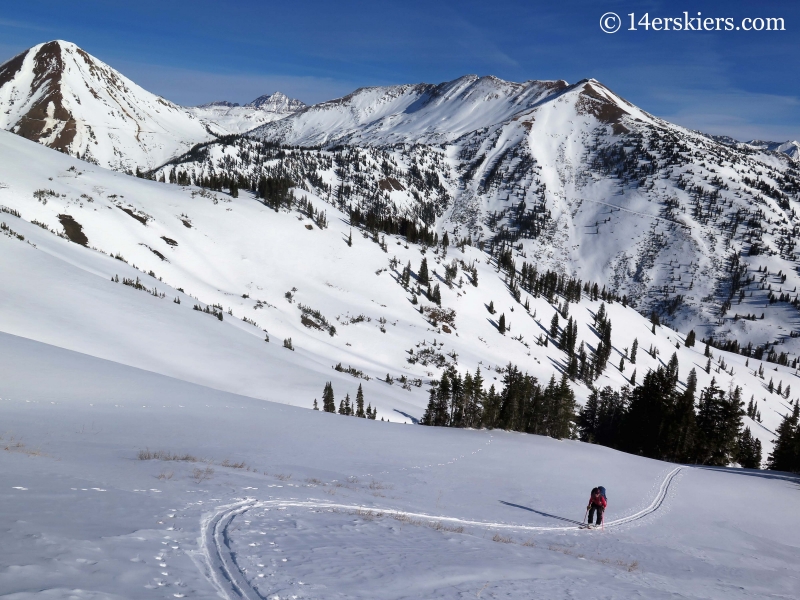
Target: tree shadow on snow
<point>538,512</point>
<point>414,420</point>
<point>780,475</point>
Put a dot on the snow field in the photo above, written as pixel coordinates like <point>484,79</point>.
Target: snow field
<point>134,528</point>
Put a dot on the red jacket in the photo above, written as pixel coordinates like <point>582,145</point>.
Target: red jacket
<point>600,501</point>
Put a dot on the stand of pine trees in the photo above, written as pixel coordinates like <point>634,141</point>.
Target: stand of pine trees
<point>655,419</point>
<point>658,420</point>
<point>522,404</point>
<point>786,454</point>
<point>354,409</point>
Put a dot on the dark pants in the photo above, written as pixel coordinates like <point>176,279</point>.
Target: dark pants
<point>599,510</point>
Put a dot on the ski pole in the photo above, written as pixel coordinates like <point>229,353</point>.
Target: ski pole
<point>585,515</point>
<point>603,521</point>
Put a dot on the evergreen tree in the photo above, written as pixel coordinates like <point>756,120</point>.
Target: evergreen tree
<point>316,406</point>
<point>422,276</point>
<point>600,420</point>
<point>646,422</point>
<point>672,369</point>
<point>328,403</point>
<point>654,320</point>
<point>406,276</point>
<point>554,326</point>
<point>441,416</point>
<point>603,352</point>
<point>719,423</point>
<point>588,418</point>
<point>473,399</point>
<point>748,452</point>
<point>690,338</point>
<point>360,403</point>
<point>600,316</point>
<point>350,239</point>
<point>511,400</point>
<point>436,295</point>
<point>457,398</point>
<point>437,412</point>
<point>491,307</point>
<point>564,414</point>
<point>785,455</point>
<point>634,348</point>
<point>501,324</point>
<point>683,426</point>
<point>491,408</point>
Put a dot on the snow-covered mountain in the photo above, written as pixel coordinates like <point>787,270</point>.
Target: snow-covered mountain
<point>571,177</point>
<point>223,117</point>
<point>277,103</point>
<point>537,175</point>
<point>371,245</point>
<point>60,96</point>
<point>421,113</point>
<point>790,148</point>
<point>260,277</point>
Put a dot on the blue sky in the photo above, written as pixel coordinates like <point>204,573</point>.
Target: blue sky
<point>743,84</point>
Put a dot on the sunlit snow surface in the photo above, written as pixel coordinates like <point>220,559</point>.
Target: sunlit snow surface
<point>61,293</point>
<point>83,518</point>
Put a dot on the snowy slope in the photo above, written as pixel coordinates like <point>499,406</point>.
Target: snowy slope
<point>184,236</point>
<point>422,113</point>
<point>283,502</point>
<point>655,211</point>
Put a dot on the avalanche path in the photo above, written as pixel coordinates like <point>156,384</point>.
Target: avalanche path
<point>223,571</point>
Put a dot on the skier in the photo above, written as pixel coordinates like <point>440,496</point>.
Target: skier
<point>597,502</point>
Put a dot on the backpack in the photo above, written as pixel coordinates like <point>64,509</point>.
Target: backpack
<point>602,491</point>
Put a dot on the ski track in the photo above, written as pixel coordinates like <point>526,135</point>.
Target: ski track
<point>223,571</point>
<point>221,567</point>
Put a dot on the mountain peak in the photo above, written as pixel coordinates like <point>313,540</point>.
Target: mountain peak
<point>277,102</point>
<point>791,148</point>
<point>59,95</point>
